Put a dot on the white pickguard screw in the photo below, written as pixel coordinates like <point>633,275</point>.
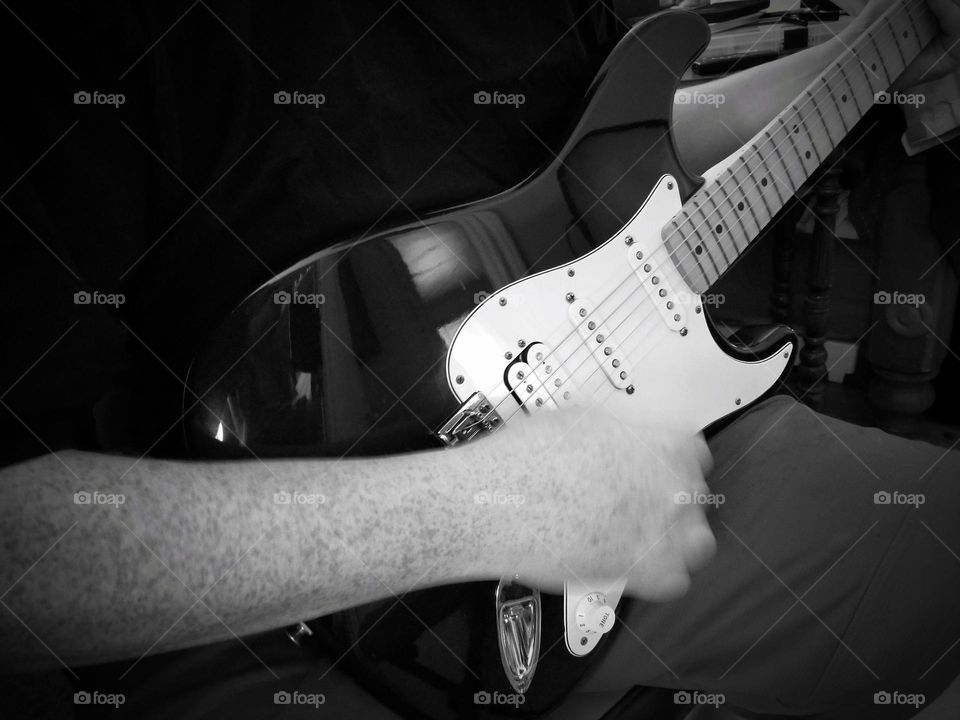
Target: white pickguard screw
<point>571,297</point>
<point>503,301</point>
<point>683,332</point>
<point>459,379</point>
<point>628,240</point>
<point>571,272</point>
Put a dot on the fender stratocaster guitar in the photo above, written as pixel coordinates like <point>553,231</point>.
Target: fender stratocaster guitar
<point>581,285</point>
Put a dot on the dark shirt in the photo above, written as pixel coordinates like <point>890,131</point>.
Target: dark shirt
<point>199,186</point>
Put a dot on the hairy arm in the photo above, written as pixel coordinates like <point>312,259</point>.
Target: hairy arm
<point>198,551</point>
<point>201,551</point>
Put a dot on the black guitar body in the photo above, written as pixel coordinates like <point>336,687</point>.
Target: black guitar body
<point>363,373</point>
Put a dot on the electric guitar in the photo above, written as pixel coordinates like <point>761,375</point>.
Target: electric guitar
<point>581,285</point>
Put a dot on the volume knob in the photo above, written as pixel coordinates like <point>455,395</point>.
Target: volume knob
<point>594,615</point>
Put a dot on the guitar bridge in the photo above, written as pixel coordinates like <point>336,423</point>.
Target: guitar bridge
<point>476,415</point>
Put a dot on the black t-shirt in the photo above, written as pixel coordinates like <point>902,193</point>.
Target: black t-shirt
<point>152,175</point>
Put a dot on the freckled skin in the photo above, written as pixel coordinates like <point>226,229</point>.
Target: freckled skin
<point>194,542</point>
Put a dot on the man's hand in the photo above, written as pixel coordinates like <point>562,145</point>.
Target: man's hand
<point>604,501</point>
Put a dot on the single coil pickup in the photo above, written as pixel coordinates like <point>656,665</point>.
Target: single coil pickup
<point>600,342</point>
<point>657,288</point>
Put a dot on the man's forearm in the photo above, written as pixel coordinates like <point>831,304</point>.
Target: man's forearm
<point>171,554</point>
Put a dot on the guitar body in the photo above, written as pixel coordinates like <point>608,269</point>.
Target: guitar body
<point>370,346</point>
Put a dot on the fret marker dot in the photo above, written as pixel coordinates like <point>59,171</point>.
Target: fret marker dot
<point>807,154</point>
<point>796,129</point>
<point>906,33</point>
<point>843,98</point>
<point>719,229</point>
<point>763,181</point>
<point>873,66</point>
<point>698,249</point>
<point>739,206</point>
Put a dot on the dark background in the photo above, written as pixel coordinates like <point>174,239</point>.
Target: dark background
<point>104,199</point>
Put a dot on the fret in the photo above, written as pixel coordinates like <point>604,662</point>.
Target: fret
<point>684,260</point>
<point>873,82</point>
<point>891,36</point>
<point>707,246</point>
<point>821,147</point>
<point>738,221</point>
<point>709,270</point>
<point>767,176</point>
<point>790,183</point>
<point>759,200</point>
<point>818,111</point>
<point>867,100</point>
<point>719,229</point>
<point>881,63</point>
<point>741,184</point>
<point>808,161</point>
<point>841,100</point>
<point>909,36</point>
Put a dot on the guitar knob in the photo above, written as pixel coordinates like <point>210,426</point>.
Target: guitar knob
<point>594,615</point>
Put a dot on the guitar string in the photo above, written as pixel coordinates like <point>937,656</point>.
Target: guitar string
<point>836,68</point>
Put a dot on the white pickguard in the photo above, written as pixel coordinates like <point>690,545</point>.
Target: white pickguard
<point>679,378</point>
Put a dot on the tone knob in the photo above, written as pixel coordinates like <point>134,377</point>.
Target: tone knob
<point>594,615</point>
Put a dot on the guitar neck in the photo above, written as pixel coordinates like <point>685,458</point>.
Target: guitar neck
<point>720,220</point>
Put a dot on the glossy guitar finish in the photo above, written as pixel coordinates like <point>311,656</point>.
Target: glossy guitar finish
<point>349,352</point>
